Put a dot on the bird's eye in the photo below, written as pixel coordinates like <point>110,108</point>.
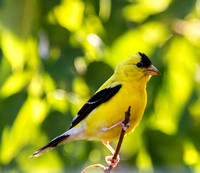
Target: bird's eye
<point>139,64</point>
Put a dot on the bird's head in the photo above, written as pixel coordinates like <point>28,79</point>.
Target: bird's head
<point>138,66</point>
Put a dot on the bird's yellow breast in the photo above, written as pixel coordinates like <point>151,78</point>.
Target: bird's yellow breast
<point>113,111</point>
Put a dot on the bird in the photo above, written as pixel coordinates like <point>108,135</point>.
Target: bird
<point>102,116</point>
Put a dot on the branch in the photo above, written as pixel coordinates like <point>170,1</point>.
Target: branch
<point>127,115</point>
<point>110,168</point>
<point>94,166</point>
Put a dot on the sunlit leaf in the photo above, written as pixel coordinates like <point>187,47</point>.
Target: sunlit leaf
<point>142,9</point>
<point>191,155</point>
<point>13,50</point>
<point>70,13</point>
<point>14,84</point>
<point>23,130</point>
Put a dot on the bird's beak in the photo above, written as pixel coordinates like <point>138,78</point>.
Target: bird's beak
<point>151,70</point>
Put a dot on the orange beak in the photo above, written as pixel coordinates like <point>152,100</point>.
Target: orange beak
<point>151,70</point>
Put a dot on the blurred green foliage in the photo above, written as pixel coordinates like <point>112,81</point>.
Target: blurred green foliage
<point>55,54</point>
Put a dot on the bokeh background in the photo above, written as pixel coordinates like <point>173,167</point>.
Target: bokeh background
<point>55,54</point>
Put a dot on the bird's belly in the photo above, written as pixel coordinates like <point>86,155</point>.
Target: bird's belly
<point>110,113</point>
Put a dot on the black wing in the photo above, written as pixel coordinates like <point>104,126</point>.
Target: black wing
<point>100,97</point>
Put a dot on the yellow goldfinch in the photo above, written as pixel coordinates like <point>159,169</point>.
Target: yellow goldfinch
<point>103,114</point>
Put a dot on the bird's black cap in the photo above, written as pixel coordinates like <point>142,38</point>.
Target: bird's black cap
<point>146,62</point>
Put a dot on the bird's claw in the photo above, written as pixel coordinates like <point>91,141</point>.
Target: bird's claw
<point>126,126</point>
<point>112,162</point>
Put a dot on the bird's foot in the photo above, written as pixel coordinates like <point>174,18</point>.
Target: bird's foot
<point>122,123</point>
<point>125,126</point>
<point>112,162</point>
<point>106,143</point>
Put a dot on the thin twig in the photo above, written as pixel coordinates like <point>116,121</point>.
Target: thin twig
<point>127,115</point>
<point>93,166</point>
<point>110,168</point>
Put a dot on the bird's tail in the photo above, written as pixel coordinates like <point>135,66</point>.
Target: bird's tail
<point>55,142</point>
